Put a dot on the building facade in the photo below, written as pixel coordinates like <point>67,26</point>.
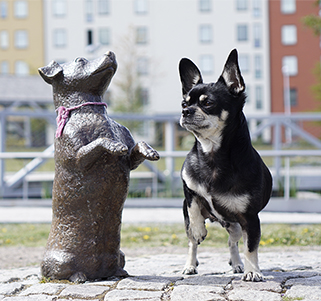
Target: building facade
<point>151,36</point>
<point>21,36</point>
<point>294,53</point>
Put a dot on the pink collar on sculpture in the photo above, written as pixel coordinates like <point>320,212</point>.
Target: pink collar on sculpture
<point>63,115</point>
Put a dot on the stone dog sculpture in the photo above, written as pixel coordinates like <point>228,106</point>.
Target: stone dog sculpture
<point>93,158</point>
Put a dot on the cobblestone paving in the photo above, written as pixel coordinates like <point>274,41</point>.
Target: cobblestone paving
<point>290,275</point>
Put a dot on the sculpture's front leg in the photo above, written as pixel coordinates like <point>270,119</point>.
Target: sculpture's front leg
<point>140,152</point>
<point>91,152</point>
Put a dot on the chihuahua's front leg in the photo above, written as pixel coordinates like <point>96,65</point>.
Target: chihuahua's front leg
<point>196,233</point>
<point>89,153</point>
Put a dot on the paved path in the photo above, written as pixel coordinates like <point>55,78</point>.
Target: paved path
<point>291,275</point>
<point>146,215</point>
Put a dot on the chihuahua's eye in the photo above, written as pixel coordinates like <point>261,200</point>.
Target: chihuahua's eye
<point>207,103</point>
<point>184,105</point>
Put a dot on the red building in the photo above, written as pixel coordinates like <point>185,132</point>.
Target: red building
<point>294,45</point>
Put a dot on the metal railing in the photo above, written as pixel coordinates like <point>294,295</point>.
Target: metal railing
<point>272,126</point>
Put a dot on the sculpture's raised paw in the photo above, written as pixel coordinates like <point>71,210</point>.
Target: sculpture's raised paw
<point>147,151</point>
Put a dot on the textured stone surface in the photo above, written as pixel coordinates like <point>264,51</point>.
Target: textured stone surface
<point>158,277</point>
<point>122,295</point>
<point>81,291</point>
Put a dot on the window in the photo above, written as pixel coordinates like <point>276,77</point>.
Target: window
<point>142,66</point>
<point>21,68</point>
<point>140,6</point>
<point>288,6</point>
<point>60,37</point>
<point>257,8</point>
<point>241,4</point>
<point>289,35</point>
<point>242,33</point>
<point>257,32</point>
<point>4,9</point>
<point>244,62</point>
<point>144,96</point>
<point>104,36</point>
<point>59,8</point>
<point>4,67</point>
<point>258,66</point>
<point>89,10</point>
<point>90,37</point>
<point>258,98</point>
<point>21,39</point>
<point>205,5</point>
<point>290,65</point>
<point>103,7</point>
<point>207,63</point>
<point>141,35</point>
<point>205,33</point>
<point>4,39</point>
<point>21,9</point>
<point>293,97</point>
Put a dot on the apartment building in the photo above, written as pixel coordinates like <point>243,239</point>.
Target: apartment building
<point>295,51</point>
<point>21,36</point>
<point>151,36</point>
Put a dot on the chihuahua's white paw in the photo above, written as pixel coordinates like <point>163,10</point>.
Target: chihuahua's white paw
<point>190,270</point>
<point>252,276</point>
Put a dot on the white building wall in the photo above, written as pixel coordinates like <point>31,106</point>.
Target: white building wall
<point>173,33</point>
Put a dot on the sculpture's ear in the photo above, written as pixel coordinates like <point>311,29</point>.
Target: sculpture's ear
<point>232,74</point>
<point>189,74</point>
<point>50,72</point>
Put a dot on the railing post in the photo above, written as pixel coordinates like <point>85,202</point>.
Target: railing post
<point>169,147</point>
<point>2,149</point>
<point>277,142</point>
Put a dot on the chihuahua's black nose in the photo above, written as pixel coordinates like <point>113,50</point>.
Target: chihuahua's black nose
<point>187,112</point>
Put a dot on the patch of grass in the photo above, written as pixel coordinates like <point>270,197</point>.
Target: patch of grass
<point>135,236</point>
<point>290,235</point>
<point>29,235</point>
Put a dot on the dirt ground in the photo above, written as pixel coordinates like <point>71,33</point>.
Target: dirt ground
<point>15,257</point>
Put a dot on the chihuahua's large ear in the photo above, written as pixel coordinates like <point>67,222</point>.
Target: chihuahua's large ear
<point>48,73</point>
<point>232,74</point>
<point>189,74</point>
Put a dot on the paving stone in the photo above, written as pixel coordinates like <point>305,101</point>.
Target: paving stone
<point>297,292</point>
<point>250,295</point>
<point>270,285</point>
<point>311,281</point>
<point>103,282</point>
<point>44,288</point>
<point>17,274</point>
<point>83,291</point>
<point>130,295</point>
<point>31,298</point>
<point>150,283</point>
<point>198,292</point>
<point>212,280</point>
<point>10,288</point>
